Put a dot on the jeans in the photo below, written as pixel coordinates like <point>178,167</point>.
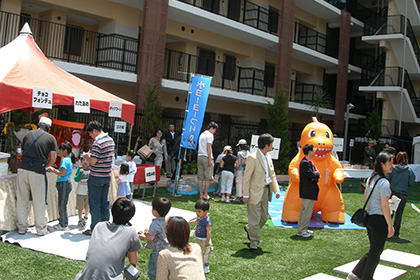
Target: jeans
<point>377,229</point>
<point>152,265</point>
<point>398,214</point>
<point>63,189</point>
<point>98,199</point>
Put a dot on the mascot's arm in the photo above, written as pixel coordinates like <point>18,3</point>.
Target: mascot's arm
<point>250,165</point>
<point>338,172</point>
<point>294,170</point>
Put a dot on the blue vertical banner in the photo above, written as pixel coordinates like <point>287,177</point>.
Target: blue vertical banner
<point>197,102</point>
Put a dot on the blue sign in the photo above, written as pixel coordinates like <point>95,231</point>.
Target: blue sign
<point>197,102</point>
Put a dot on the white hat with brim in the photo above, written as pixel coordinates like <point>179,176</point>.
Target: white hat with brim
<point>227,148</point>
<point>45,120</point>
<point>241,142</point>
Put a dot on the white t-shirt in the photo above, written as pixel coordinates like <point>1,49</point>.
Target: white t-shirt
<point>205,137</point>
<point>133,169</point>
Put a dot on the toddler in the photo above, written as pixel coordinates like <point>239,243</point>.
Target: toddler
<point>82,202</point>
<point>203,231</point>
<point>122,181</point>
<point>132,167</point>
<point>156,236</point>
<point>63,184</point>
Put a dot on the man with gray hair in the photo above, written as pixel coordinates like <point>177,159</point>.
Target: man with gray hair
<point>39,151</point>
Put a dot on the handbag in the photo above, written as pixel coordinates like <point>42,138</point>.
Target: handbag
<point>145,152</point>
<point>360,217</point>
<point>131,272</point>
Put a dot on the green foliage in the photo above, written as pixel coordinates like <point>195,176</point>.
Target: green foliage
<point>321,100</point>
<point>278,126</point>
<point>373,125</point>
<point>20,117</point>
<point>152,111</point>
<point>189,168</point>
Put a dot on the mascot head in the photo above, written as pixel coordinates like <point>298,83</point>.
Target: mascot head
<point>320,136</point>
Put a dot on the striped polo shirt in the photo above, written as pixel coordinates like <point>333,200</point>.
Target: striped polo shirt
<point>103,151</point>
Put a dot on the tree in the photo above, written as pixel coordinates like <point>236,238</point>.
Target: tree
<point>320,100</point>
<point>278,126</point>
<point>373,125</point>
<point>152,111</point>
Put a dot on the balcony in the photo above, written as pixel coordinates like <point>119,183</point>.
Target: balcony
<point>315,40</point>
<point>356,10</point>
<point>305,93</point>
<point>73,44</point>
<point>242,11</point>
<point>228,76</point>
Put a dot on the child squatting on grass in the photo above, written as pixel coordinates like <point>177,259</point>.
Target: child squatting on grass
<point>203,231</point>
<point>63,183</point>
<point>156,236</point>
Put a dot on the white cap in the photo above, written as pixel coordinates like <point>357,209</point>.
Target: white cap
<point>227,148</point>
<point>241,142</point>
<point>45,120</point>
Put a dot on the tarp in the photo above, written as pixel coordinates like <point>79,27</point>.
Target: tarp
<point>24,66</point>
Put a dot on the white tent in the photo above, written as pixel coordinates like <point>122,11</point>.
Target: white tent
<point>416,150</point>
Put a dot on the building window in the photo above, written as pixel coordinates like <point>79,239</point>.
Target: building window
<point>269,74</point>
<point>211,5</point>
<point>73,40</point>
<point>273,21</point>
<point>206,62</point>
<point>234,9</point>
<point>229,69</point>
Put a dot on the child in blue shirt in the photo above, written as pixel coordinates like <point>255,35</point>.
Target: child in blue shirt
<point>156,236</point>
<point>63,185</point>
<point>203,231</point>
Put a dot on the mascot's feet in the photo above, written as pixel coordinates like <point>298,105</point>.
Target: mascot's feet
<point>290,216</point>
<point>334,217</point>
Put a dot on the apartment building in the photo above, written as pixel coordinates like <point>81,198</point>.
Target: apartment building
<point>356,52</point>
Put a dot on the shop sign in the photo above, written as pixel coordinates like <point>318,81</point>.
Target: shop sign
<point>81,103</point>
<point>41,98</point>
<point>150,174</point>
<point>274,153</point>
<point>115,109</point>
<point>120,127</point>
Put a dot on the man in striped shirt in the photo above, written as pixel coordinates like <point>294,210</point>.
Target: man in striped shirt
<point>100,159</point>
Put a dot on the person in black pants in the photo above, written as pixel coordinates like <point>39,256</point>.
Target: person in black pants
<point>379,223</point>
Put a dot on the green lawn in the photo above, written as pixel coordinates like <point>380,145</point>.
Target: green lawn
<point>283,255</point>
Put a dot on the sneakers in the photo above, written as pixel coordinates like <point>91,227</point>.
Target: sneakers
<point>352,276</point>
<point>43,233</point>
<point>22,232</point>
<point>310,231</point>
<point>223,199</point>
<point>58,227</point>
<point>206,269</point>
<point>305,234</point>
<point>227,200</point>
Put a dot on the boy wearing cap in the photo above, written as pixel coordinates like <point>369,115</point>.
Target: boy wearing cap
<point>228,165</point>
<point>242,155</point>
<point>39,151</point>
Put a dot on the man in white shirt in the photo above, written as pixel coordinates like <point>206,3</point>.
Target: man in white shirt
<point>205,163</point>
<point>259,183</point>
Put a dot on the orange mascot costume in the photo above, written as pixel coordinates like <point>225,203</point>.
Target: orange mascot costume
<point>330,202</point>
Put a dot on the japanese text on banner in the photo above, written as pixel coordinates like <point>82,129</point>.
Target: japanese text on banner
<point>200,89</point>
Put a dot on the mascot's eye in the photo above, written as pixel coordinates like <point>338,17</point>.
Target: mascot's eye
<point>311,133</point>
<point>327,133</point>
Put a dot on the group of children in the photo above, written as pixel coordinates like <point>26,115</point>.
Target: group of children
<point>125,184</point>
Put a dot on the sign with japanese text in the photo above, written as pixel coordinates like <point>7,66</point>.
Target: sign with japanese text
<point>198,96</point>
<point>120,127</point>
<point>274,153</point>
<point>42,98</point>
<point>115,109</point>
<point>338,144</point>
<point>81,103</point>
<point>150,174</point>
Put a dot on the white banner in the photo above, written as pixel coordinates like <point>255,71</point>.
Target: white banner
<point>150,174</point>
<point>41,98</point>
<point>274,153</point>
<point>115,109</point>
<point>338,144</point>
<point>81,103</point>
<point>120,127</point>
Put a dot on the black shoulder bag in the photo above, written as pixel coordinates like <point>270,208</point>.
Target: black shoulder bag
<point>360,216</point>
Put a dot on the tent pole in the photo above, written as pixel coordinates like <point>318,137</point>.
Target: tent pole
<point>129,137</point>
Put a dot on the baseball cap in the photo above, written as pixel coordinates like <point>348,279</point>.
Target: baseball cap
<point>227,148</point>
<point>45,120</point>
<point>241,142</point>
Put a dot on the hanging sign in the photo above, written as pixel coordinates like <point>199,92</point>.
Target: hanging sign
<point>274,153</point>
<point>120,127</point>
<point>198,96</point>
<point>41,98</point>
<point>81,103</point>
<point>115,109</point>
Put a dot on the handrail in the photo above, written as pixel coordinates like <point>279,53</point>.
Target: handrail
<point>315,40</point>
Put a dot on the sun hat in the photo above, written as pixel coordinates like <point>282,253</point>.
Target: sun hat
<point>45,120</point>
<point>241,142</point>
<point>227,148</point>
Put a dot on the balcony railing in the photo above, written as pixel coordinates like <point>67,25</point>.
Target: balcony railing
<point>315,40</point>
<point>73,44</point>
<point>305,93</point>
<point>243,11</point>
<point>357,11</point>
<point>179,65</point>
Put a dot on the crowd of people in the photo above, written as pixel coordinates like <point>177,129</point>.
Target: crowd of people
<point>172,255</point>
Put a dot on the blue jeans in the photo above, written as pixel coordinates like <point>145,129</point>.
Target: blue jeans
<point>98,199</point>
<point>152,265</point>
<point>63,189</point>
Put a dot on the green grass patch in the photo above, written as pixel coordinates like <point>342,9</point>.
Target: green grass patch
<point>283,255</point>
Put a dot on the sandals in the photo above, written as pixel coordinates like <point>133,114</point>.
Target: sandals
<point>208,198</point>
<point>87,232</point>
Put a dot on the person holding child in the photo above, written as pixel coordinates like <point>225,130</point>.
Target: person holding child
<point>132,167</point>
<point>228,165</point>
<point>156,236</point>
<point>124,189</point>
<point>111,243</point>
<point>63,184</point>
<point>181,260</point>
<point>81,177</point>
<point>203,231</point>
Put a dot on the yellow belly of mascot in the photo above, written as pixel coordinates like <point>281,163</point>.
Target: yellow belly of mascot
<point>330,201</point>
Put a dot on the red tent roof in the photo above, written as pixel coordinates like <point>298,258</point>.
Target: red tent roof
<point>24,66</point>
